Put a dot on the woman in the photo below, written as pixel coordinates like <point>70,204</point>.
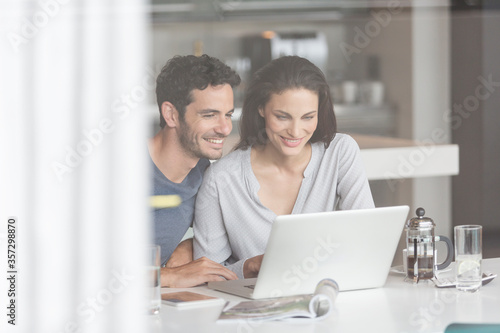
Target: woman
<point>290,160</point>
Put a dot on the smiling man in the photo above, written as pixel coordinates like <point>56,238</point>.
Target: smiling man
<point>195,100</point>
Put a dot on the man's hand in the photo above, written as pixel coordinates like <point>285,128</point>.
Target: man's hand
<point>195,273</point>
<point>251,267</point>
<point>182,254</point>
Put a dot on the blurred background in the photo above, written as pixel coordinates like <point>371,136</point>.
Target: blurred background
<point>400,69</point>
<point>416,83</point>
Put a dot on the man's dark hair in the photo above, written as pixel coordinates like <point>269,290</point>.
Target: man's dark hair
<point>289,72</point>
<point>182,74</point>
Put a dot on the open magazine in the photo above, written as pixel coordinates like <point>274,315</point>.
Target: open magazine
<point>316,306</point>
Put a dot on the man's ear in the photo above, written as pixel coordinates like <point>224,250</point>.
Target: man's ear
<point>170,114</point>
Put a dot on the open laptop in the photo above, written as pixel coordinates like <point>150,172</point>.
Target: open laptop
<point>353,247</point>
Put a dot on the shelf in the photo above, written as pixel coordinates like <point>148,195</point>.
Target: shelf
<point>366,119</point>
<point>281,10</point>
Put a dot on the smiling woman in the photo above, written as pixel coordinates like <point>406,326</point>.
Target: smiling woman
<point>275,79</point>
<point>290,160</point>
<point>291,119</point>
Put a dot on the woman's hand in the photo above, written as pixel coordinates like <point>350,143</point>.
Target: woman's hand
<point>251,267</point>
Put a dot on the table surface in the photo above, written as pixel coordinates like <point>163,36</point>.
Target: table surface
<point>399,306</point>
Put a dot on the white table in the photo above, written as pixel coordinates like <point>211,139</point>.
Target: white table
<point>397,307</point>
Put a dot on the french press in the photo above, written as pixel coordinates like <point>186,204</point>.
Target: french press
<point>421,248</point>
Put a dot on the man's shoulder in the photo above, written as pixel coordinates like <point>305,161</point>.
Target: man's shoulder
<point>203,164</point>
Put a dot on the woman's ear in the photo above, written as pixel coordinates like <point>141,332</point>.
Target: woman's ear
<point>261,112</point>
<point>170,114</point>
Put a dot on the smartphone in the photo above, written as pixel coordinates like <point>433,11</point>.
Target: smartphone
<point>184,299</point>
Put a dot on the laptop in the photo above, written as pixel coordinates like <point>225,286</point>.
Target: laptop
<point>353,247</point>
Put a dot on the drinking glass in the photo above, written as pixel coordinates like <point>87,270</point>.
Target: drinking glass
<point>152,270</point>
<point>468,256</point>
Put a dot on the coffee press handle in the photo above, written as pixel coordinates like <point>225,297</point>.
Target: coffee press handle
<point>449,254</point>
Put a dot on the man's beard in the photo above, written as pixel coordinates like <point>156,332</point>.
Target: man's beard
<point>191,146</point>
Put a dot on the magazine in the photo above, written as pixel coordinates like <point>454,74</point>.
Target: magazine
<point>316,306</point>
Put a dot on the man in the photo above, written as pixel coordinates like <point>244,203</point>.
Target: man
<point>195,98</point>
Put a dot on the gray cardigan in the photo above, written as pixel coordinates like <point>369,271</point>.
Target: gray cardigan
<point>231,224</point>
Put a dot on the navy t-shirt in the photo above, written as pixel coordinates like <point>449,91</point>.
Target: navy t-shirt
<point>170,224</point>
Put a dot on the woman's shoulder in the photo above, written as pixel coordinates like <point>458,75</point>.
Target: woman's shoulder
<point>231,161</point>
<point>344,138</point>
<point>341,141</point>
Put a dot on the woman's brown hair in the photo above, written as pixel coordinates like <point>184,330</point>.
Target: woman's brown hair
<point>289,72</point>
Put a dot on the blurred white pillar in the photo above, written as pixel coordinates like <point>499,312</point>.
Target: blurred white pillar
<point>431,104</point>
<point>73,162</point>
